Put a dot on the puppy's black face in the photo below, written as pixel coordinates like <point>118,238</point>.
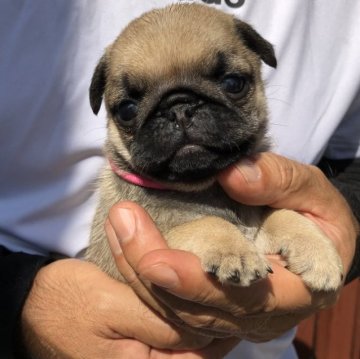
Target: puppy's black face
<point>182,119</point>
<point>194,129</point>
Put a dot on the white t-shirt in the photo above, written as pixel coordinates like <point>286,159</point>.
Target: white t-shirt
<point>50,141</point>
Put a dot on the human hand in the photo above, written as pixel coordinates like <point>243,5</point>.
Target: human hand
<point>278,182</point>
<point>266,309</point>
<point>76,311</point>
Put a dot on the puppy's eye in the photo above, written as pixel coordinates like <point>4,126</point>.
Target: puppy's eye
<point>235,84</point>
<point>127,111</point>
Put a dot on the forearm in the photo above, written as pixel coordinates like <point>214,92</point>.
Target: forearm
<point>17,272</point>
<point>345,176</point>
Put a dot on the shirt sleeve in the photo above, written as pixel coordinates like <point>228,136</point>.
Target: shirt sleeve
<point>345,176</point>
<point>17,272</point>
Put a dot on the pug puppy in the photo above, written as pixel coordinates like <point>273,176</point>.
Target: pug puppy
<point>183,91</point>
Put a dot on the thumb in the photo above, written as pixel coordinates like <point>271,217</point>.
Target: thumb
<point>134,230</point>
<point>278,182</point>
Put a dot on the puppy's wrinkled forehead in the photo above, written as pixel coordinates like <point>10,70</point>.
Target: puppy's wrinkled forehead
<point>165,42</point>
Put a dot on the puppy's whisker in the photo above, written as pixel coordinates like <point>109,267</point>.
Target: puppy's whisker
<point>278,124</point>
<point>279,100</point>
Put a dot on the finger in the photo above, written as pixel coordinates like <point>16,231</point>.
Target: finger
<point>129,220</point>
<point>132,234</point>
<point>135,231</point>
<point>281,292</point>
<point>273,180</point>
<point>194,285</point>
<point>122,227</point>
<point>125,269</point>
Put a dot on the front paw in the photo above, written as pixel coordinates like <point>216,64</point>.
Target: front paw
<point>223,250</point>
<point>320,270</point>
<point>236,267</point>
<point>305,247</point>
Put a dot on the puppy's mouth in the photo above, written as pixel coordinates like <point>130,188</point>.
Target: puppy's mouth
<point>189,150</point>
<point>192,163</point>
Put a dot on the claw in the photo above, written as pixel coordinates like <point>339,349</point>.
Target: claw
<point>213,270</point>
<point>235,277</point>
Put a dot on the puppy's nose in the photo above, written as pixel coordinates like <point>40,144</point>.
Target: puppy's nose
<point>180,107</point>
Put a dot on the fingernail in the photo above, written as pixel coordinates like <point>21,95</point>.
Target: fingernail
<point>249,170</point>
<point>124,227</point>
<point>162,275</point>
<point>112,239</point>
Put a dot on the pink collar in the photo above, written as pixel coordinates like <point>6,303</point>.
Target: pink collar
<point>134,178</point>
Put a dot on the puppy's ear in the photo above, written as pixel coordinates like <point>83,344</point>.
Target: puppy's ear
<point>256,43</point>
<point>97,87</point>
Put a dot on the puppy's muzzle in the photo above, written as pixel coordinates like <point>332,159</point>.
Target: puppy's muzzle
<point>180,107</point>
